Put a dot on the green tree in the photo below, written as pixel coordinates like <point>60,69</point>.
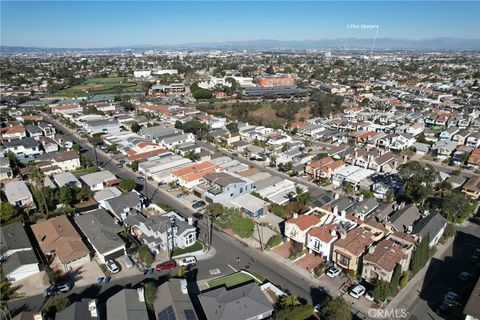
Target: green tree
<point>37,176</point>
<point>76,147</point>
<point>127,185</point>
<point>456,206</point>
<point>202,94</point>
<point>134,165</point>
<point>288,301</point>
<point>215,209</point>
<point>336,309</point>
<point>112,148</point>
<point>420,255</point>
<point>83,193</point>
<point>232,127</point>
<point>395,281</point>
<point>404,279</point>
<point>7,212</point>
<point>348,188</point>
<point>65,196</point>
<point>135,127</point>
<point>418,181</point>
<point>8,292</point>
<point>381,290</point>
<point>150,292</point>
<point>96,139</point>
<point>192,155</point>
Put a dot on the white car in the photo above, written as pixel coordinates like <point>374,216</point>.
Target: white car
<point>112,266</point>
<point>188,261</point>
<point>333,272</point>
<point>357,291</point>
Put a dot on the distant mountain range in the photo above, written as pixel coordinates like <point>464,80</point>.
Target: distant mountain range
<point>381,44</point>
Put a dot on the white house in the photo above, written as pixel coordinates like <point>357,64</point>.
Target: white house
<point>320,240</point>
<point>19,195</point>
<point>98,180</point>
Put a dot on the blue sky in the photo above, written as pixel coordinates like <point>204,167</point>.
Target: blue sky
<point>124,23</point>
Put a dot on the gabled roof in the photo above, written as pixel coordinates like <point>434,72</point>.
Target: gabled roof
<point>386,254</point>
<point>13,237</point>
<point>126,305</point>
<point>326,233</point>
<point>431,224</point>
<point>356,241</point>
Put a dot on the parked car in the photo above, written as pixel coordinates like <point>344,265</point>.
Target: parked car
<point>119,165</point>
<point>140,178</point>
<point>167,265</point>
<point>450,298</point>
<point>188,261</point>
<point>112,266</point>
<point>56,288</point>
<point>333,272</point>
<point>127,261</point>
<point>198,204</point>
<point>464,276</point>
<point>357,291</point>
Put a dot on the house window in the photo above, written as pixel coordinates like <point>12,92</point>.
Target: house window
<point>241,190</point>
<point>344,261</point>
<point>190,239</point>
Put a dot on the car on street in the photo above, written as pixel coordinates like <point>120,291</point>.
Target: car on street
<point>318,308</point>
<point>464,276</point>
<point>112,266</point>
<point>56,288</point>
<point>140,178</point>
<point>119,165</point>
<point>357,291</point>
<point>450,298</point>
<point>188,261</point>
<point>199,204</point>
<point>167,265</point>
<point>333,272</point>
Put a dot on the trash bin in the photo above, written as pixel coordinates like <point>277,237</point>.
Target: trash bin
<point>107,279</point>
<point>100,279</point>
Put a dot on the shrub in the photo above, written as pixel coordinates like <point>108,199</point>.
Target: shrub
<point>320,270</point>
<point>145,255</point>
<point>404,279</point>
<point>274,241</point>
<point>381,290</point>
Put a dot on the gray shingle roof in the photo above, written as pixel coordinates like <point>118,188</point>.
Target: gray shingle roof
<point>431,224</point>
<point>76,311</point>
<point>244,302</point>
<point>126,305</point>
<point>101,231</point>
<point>13,237</point>
<point>18,259</point>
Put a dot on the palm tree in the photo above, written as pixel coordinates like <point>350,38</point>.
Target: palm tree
<point>273,159</point>
<point>192,155</point>
<point>7,292</point>
<point>37,176</point>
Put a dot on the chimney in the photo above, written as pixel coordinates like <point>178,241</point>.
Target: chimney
<point>333,232</point>
<point>190,221</point>
<point>371,250</point>
<point>336,196</point>
<point>141,296</point>
<point>37,316</point>
<point>360,198</point>
<point>335,210</point>
<point>343,213</point>
<point>92,307</point>
<point>295,215</point>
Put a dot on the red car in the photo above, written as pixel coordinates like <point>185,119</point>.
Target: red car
<point>167,265</point>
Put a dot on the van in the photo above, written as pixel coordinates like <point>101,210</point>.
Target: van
<point>127,261</point>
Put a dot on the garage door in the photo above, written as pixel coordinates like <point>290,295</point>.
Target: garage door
<point>114,255</point>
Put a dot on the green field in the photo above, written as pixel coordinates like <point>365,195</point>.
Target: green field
<point>100,86</point>
<point>231,280</point>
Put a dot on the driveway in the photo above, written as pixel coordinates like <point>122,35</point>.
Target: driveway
<point>309,261</point>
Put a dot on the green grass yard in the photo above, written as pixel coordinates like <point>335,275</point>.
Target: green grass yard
<point>231,280</point>
<point>195,247</point>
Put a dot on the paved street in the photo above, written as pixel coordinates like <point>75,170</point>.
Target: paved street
<point>442,276</point>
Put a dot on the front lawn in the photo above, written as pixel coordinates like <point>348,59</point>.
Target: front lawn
<point>231,280</point>
<point>195,247</point>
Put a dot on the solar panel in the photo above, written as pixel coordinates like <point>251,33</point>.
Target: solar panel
<point>167,314</point>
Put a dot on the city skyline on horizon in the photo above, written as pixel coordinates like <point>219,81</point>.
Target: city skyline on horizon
<point>63,24</point>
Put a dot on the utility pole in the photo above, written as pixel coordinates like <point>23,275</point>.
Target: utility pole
<point>145,182</point>
<point>259,235</point>
<point>95,151</point>
<point>173,239</point>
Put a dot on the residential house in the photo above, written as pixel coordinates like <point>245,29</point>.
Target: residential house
<point>444,149</point>
<point>173,302</point>
<point>66,179</point>
<point>124,205</point>
<point>171,141</point>
<point>243,302</point>
<point>404,217</point>
<point>386,163</point>
<point>474,159</point>
<point>363,208</point>
<point>448,134</point>
<point>85,309</point>
<point>47,129</point>
<point>472,187</point>
<point>48,144</point>
<point>296,228</point>
<point>163,232</point>
<point>102,233</point>
<point>18,195</point>
<point>98,180</point>
<point>127,304</point>
<point>432,226</point>
<point>23,148</point>
<point>473,140</point>
<point>380,261</point>
<point>18,257</point>
<point>67,109</point>
<point>192,175</point>
<point>250,205</point>
<point>106,193</point>
<point>421,149</point>
<point>13,132</point>
<point>320,240</point>
<point>461,137</point>
<point>33,131</point>
<point>6,171</point>
<point>280,191</point>
<point>402,142</point>
<point>313,166</point>
<point>221,187</point>
<point>102,126</point>
<point>350,248</point>
<point>58,237</point>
